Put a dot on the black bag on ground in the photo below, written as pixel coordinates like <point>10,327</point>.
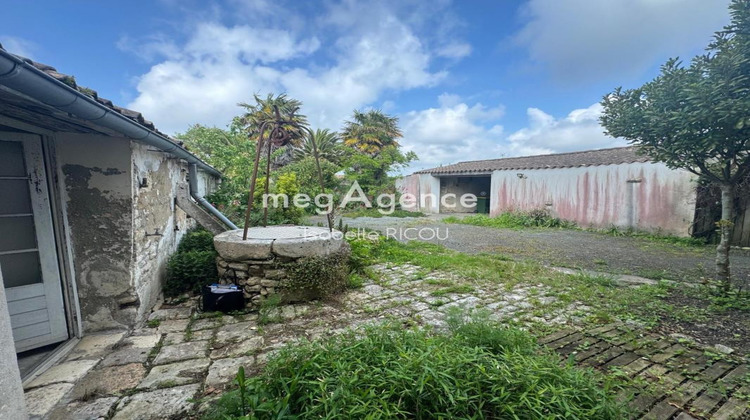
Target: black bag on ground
<point>222,298</point>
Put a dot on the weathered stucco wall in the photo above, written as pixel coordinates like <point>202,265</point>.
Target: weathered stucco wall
<point>94,176</point>
<point>644,196</point>
<point>158,225</point>
<point>409,185</point>
<point>425,187</point>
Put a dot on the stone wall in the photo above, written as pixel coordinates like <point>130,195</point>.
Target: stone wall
<point>158,224</point>
<point>299,263</point>
<point>257,278</point>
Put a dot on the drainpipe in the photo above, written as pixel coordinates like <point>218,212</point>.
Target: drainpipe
<point>22,77</point>
<point>193,184</point>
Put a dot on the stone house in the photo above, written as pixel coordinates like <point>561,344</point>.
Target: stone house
<point>597,188</point>
<point>93,201</point>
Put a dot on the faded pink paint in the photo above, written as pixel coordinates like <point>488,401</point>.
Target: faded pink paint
<point>601,196</point>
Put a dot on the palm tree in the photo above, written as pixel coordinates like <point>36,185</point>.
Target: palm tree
<point>263,111</point>
<point>327,142</point>
<point>371,131</point>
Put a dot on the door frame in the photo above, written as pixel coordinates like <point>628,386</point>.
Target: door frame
<point>51,287</point>
<point>60,226</point>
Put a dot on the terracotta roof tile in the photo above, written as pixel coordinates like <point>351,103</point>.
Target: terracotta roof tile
<point>560,160</point>
<point>71,81</point>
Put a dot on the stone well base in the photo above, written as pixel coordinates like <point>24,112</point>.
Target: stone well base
<point>260,263</point>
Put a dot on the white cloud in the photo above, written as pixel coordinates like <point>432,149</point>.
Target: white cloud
<point>455,50</point>
<point>18,46</point>
<point>202,80</point>
<point>453,132</point>
<point>579,130</point>
<point>581,40</point>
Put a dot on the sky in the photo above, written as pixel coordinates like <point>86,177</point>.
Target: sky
<point>468,79</point>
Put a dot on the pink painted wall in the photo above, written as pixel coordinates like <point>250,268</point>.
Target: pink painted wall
<point>601,196</point>
<point>421,185</point>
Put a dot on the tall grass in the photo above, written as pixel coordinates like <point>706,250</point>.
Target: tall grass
<point>478,370</point>
<point>514,220</point>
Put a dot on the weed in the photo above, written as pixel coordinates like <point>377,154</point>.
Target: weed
<point>453,289</point>
<point>477,370</point>
<point>375,213</point>
<point>268,312</point>
<point>514,220</point>
<point>153,323</point>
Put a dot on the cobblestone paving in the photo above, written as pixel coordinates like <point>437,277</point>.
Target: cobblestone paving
<point>176,368</point>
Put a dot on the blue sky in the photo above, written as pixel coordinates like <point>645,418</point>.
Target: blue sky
<point>469,79</point>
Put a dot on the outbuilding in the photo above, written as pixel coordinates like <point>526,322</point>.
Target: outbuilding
<point>594,188</point>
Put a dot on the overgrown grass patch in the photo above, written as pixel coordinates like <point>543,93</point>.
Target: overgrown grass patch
<point>478,370</point>
<point>373,212</point>
<point>514,220</point>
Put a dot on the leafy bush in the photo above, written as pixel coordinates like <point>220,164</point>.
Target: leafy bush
<point>188,271</point>
<point>514,220</point>
<point>479,370</point>
<point>361,255</point>
<point>193,265</point>
<point>373,212</point>
<point>316,277</point>
<point>197,240</point>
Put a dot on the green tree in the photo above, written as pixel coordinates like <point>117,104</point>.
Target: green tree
<point>230,151</point>
<point>372,131</point>
<point>328,144</point>
<point>697,118</point>
<point>263,111</point>
<point>372,172</point>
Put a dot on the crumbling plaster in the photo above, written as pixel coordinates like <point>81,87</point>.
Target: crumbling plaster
<point>158,225</point>
<point>94,180</point>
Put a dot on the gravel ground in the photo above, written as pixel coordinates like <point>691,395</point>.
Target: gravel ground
<point>565,248</point>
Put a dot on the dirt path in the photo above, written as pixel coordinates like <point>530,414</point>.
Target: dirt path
<point>565,247</point>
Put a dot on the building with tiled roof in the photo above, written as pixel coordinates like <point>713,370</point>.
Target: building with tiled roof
<point>598,188</point>
<point>94,201</point>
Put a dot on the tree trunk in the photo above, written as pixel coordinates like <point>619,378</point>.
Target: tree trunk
<point>725,228</point>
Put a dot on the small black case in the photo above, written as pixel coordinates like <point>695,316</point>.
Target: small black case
<point>222,298</point>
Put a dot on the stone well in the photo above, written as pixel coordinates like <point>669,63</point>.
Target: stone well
<point>261,264</point>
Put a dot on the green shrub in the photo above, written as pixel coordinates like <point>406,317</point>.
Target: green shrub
<point>316,277</point>
<point>361,255</point>
<point>374,212</point>
<point>188,271</point>
<point>479,370</point>
<point>197,240</point>
<point>514,220</point>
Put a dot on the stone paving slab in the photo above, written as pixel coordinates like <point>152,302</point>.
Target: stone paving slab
<point>242,348</point>
<point>40,401</point>
<point>223,371</point>
<point>65,372</point>
<point>97,409</point>
<point>160,404</point>
<point>127,355</point>
<point>95,346</point>
<point>108,381</point>
<point>180,373</point>
<point>179,352</point>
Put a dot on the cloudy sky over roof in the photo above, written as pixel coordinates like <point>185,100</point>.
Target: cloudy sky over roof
<point>468,79</point>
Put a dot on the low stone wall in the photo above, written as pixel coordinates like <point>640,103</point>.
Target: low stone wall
<point>257,278</point>
<point>275,261</point>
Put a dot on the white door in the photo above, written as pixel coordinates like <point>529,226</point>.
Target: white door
<point>28,258</point>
